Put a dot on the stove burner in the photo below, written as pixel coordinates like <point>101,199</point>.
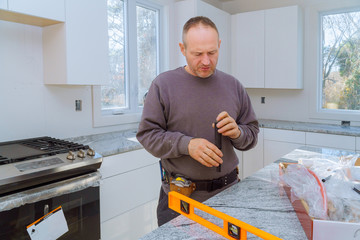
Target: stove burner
<point>26,149</point>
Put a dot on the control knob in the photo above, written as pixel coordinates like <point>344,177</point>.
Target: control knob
<point>90,152</point>
<point>81,154</point>
<point>71,156</point>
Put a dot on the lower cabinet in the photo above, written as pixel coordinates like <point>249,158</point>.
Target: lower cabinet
<point>129,191</point>
<point>252,160</point>
<point>278,142</point>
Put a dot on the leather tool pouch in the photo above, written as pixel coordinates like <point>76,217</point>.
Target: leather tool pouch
<point>182,185</point>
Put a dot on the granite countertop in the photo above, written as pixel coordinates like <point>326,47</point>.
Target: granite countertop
<point>311,127</point>
<point>123,141</point>
<point>108,144</point>
<point>257,200</point>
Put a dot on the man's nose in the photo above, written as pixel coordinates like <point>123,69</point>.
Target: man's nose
<point>205,60</point>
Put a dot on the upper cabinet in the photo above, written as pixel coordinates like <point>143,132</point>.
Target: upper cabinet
<point>34,12</point>
<point>267,48</point>
<point>3,4</point>
<point>191,8</point>
<point>76,52</point>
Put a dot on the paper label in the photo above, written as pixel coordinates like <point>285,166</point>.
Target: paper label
<point>50,227</point>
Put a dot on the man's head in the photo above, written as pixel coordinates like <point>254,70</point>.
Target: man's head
<point>200,46</point>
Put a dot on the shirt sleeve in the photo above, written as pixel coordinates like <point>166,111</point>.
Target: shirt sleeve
<point>247,123</point>
<point>152,132</point>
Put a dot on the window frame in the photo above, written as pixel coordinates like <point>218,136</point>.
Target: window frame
<point>132,113</point>
<point>313,66</point>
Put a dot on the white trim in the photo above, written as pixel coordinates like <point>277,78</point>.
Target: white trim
<point>132,113</point>
<point>312,58</point>
<point>100,120</point>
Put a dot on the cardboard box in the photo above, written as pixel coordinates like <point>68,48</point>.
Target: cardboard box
<point>316,229</point>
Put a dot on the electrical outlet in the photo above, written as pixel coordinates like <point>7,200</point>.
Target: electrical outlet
<point>78,105</point>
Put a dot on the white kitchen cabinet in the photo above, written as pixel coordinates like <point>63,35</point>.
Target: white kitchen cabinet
<point>283,48</point>
<point>357,147</point>
<point>50,9</point>
<point>253,159</point>
<point>247,58</point>
<point>129,190</point>
<point>330,141</point>
<point>3,4</point>
<point>191,8</point>
<point>132,224</point>
<point>76,52</point>
<point>273,36</point>
<point>279,142</point>
<point>36,12</point>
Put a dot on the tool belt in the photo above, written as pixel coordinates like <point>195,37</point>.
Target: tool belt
<point>185,186</point>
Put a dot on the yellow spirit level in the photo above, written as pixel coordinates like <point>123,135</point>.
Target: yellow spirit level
<point>232,229</point>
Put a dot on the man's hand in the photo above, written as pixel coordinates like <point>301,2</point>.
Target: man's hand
<point>227,126</point>
<point>205,152</point>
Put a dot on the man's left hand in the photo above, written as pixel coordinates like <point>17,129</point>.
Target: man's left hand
<point>227,126</point>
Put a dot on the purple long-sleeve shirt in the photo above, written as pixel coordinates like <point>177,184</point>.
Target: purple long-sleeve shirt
<point>180,106</point>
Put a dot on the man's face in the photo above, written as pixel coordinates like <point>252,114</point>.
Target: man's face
<point>201,51</point>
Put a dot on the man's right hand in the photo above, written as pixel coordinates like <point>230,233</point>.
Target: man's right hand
<point>205,152</point>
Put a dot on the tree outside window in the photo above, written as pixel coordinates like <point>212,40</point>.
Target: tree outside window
<point>341,61</point>
<point>128,84</point>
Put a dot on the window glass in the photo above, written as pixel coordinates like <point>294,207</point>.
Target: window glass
<point>113,95</point>
<point>147,49</point>
<point>340,76</point>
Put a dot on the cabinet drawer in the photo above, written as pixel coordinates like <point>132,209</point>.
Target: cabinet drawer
<point>273,150</point>
<point>330,140</point>
<point>132,224</point>
<point>129,190</point>
<point>284,135</point>
<point>125,162</point>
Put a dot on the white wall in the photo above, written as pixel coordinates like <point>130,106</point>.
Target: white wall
<point>28,108</point>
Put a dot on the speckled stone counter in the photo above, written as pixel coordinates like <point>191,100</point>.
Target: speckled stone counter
<point>257,200</point>
<point>111,143</point>
<point>311,127</point>
<point>118,142</point>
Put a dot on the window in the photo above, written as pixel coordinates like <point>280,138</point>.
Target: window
<point>340,55</point>
<point>134,59</point>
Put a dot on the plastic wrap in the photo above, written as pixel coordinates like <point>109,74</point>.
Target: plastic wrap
<point>304,186</point>
<point>50,191</point>
<point>340,179</point>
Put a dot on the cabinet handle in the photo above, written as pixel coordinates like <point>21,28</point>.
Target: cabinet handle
<point>46,209</point>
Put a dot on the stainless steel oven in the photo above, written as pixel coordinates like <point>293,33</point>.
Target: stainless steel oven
<point>40,174</point>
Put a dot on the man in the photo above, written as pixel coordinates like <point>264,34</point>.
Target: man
<point>179,113</point>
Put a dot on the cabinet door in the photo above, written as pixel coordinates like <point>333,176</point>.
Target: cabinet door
<point>247,58</point>
<point>278,142</point>
<point>3,4</point>
<point>50,9</point>
<point>330,141</point>
<point>125,162</point>
<point>76,53</point>
<point>283,48</point>
<point>253,159</point>
<point>274,150</point>
<point>357,144</point>
<point>129,190</point>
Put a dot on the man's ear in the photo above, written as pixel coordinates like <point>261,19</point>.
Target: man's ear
<point>182,48</point>
<point>219,43</point>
